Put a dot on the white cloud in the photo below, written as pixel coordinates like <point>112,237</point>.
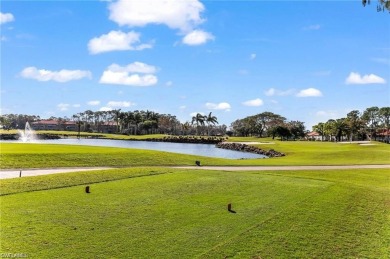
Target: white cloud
<point>313,27</point>
<point>93,103</point>
<point>63,106</point>
<point>254,103</point>
<point>252,56</point>
<point>105,109</point>
<point>116,40</point>
<point>76,105</point>
<point>3,38</point>
<point>276,92</point>
<point>124,104</point>
<point>182,15</point>
<point>136,67</point>
<point>135,74</point>
<point>61,76</point>
<point>197,37</point>
<point>183,107</point>
<point>218,106</point>
<point>356,78</point>
<point>6,17</point>
<point>309,92</point>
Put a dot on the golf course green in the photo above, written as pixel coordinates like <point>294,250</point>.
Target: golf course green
<point>144,209</point>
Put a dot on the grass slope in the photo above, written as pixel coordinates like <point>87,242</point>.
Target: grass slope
<point>167,213</point>
<point>19,155</point>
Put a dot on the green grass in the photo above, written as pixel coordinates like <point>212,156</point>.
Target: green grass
<point>168,213</point>
<point>19,155</point>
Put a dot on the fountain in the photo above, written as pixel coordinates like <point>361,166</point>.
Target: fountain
<point>28,134</point>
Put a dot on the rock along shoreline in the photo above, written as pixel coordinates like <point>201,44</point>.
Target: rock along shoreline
<point>249,149</point>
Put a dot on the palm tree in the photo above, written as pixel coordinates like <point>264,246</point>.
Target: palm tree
<point>320,128</point>
<point>198,119</point>
<point>117,117</point>
<point>210,120</point>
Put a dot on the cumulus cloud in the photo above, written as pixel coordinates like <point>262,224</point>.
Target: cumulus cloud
<point>253,103</point>
<point>218,106</point>
<point>134,74</point>
<point>93,103</point>
<point>63,106</point>
<point>115,104</point>
<point>276,92</point>
<point>309,92</point>
<point>197,37</point>
<point>6,17</point>
<point>116,40</point>
<point>356,78</point>
<point>61,76</point>
<point>182,15</point>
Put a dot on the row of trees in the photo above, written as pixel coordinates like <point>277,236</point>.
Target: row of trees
<point>267,124</point>
<point>127,122</point>
<point>369,124</point>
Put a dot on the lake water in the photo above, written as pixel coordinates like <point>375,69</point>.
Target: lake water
<point>208,150</point>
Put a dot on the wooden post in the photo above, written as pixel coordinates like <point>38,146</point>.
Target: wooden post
<point>20,173</point>
<point>87,189</point>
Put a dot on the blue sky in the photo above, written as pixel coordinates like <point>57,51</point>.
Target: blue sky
<point>305,60</point>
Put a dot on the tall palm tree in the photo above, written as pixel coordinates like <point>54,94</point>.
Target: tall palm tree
<point>210,120</point>
<point>198,119</point>
<point>117,117</point>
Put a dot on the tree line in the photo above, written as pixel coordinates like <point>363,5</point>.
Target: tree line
<point>127,122</point>
<point>369,124</point>
<point>268,124</point>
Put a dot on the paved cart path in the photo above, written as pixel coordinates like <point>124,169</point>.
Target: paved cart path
<point>4,174</point>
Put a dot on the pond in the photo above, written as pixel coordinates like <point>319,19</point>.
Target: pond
<point>208,150</point>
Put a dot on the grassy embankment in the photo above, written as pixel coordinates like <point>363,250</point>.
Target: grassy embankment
<point>168,213</point>
<point>18,155</point>
<point>161,212</point>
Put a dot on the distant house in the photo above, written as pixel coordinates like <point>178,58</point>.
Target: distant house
<point>314,136</point>
<point>108,127</point>
<point>45,125</point>
<point>70,125</point>
<point>54,125</point>
<point>383,135</point>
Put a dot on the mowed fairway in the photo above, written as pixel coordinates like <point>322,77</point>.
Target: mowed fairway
<point>19,155</point>
<point>167,213</point>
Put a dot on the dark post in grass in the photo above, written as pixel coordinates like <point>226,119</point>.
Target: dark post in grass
<point>87,189</point>
<point>197,162</point>
<point>230,208</point>
<point>20,173</point>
